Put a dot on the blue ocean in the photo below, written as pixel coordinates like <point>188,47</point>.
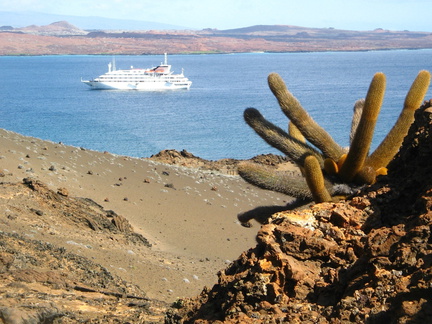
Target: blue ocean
<point>42,96</point>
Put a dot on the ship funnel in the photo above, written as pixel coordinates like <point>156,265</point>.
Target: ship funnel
<point>113,64</point>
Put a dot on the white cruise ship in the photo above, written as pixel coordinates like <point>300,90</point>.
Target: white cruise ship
<point>157,78</point>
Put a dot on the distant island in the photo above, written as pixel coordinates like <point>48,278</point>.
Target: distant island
<point>61,38</point>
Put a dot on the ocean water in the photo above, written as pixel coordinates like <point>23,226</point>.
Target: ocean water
<point>42,96</point>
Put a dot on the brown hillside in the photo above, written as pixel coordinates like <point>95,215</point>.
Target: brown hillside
<point>62,38</point>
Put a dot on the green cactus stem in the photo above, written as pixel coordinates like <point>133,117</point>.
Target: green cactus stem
<point>363,137</point>
<point>278,138</point>
<point>357,112</point>
<point>270,179</point>
<point>388,148</point>
<point>294,132</point>
<point>315,180</point>
<point>301,119</point>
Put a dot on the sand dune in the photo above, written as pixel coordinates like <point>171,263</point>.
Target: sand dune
<point>188,215</point>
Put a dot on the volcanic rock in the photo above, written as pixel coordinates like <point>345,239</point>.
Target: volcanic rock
<point>363,260</point>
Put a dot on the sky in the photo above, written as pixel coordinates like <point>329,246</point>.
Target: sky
<point>413,15</point>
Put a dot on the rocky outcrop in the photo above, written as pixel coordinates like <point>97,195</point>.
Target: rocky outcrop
<point>42,282</point>
<point>81,212</point>
<point>229,166</point>
<point>363,260</point>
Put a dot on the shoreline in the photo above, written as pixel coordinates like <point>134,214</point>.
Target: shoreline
<point>232,53</point>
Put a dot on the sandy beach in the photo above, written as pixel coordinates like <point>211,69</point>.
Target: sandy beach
<point>188,215</point>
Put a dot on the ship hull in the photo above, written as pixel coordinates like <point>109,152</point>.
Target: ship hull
<point>142,86</point>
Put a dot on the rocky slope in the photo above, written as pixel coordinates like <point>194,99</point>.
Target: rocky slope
<point>364,260</point>
<point>41,282</point>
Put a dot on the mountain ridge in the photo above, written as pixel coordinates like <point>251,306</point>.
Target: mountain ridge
<point>25,18</point>
<point>59,28</point>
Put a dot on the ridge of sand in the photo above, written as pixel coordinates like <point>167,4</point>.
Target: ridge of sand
<point>188,215</point>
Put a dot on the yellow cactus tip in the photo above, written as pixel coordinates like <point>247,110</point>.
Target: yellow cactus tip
<point>381,171</point>
<point>330,166</point>
<point>380,75</point>
<point>425,73</point>
<point>341,160</point>
<point>273,75</point>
